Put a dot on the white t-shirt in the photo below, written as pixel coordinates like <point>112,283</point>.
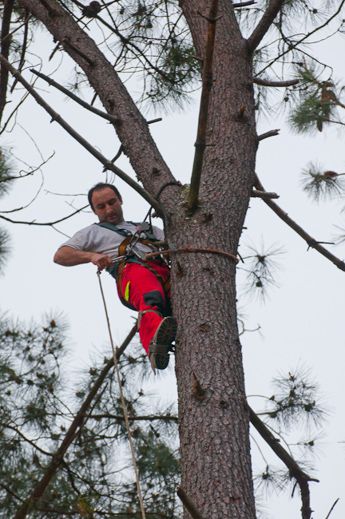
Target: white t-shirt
<point>95,238</point>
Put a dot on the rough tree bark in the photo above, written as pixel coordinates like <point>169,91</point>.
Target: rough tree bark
<point>213,415</point>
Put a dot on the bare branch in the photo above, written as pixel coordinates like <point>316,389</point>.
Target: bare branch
<point>24,47</point>
<point>5,48</point>
<point>75,98</point>
<point>264,24</point>
<point>81,102</point>
<point>149,418</point>
<point>56,117</point>
<point>7,489</point>
<point>263,194</point>
<point>270,133</point>
<point>294,469</point>
<point>298,229</point>
<point>238,5</point>
<point>277,84</point>
<point>77,423</point>
<point>188,503</point>
<point>32,443</point>
<point>207,80</point>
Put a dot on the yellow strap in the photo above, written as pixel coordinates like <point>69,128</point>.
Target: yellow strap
<point>126,293</point>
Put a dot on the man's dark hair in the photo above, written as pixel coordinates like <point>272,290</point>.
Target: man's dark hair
<point>99,187</point>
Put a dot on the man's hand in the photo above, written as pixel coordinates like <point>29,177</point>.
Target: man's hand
<point>101,261</point>
<point>68,257</point>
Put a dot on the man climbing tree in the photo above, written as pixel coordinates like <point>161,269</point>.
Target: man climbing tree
<point>120,247</point>
<point>173,45</point>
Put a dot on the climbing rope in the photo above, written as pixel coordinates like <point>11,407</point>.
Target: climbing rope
<point>123,402</point>
<point>183,250</point>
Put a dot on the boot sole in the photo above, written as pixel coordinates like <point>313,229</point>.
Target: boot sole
<point>161,343</point>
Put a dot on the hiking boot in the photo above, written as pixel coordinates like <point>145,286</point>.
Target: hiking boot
<point>161,343</point>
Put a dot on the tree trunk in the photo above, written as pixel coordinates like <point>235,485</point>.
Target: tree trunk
<point>214,422</point>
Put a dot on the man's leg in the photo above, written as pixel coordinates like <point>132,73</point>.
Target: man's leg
<point>144,291</point>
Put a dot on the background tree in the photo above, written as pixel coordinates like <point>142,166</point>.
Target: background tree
<point>211,392</point>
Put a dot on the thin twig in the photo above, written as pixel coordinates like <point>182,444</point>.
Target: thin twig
<point>25,222</point>
<point>14,112</point>
<point>297,44</point>
<point>298,229</point>
<point>332,508</point>
<point>77,423</point>
<point>56,117</point>
<point>24,174</point>
<point>264,24</point>
<point>188,504</point>
<point>207,80</point>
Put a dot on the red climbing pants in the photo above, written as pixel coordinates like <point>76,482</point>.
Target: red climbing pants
<point>142,288</point>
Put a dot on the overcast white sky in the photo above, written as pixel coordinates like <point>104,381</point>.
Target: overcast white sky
<point>302,320</point>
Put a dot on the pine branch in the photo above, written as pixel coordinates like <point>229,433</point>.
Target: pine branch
<point>57,117</point>
<point>264,24</point>
<point>78,423</point>
<point>5,48</point>
<point>314,244</point>
<point>207,80</point>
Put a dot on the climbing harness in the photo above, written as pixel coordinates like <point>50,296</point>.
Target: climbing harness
<point>123,402</point>
<point>127,253</point>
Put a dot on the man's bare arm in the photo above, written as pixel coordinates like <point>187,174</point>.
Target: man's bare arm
<point>69,257</point>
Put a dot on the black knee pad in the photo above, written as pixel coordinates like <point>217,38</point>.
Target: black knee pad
<point>155,298</point>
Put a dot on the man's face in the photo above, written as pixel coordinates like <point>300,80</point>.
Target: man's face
<point>107,206</point>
